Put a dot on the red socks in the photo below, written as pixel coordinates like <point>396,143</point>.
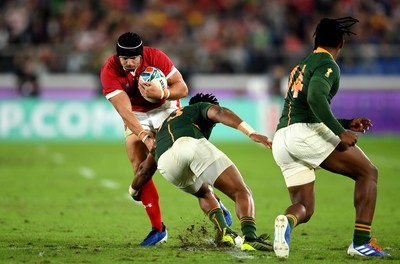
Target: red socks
<point>150,200</point>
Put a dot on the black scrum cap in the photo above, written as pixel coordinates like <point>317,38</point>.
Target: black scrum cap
<point>129,44</point>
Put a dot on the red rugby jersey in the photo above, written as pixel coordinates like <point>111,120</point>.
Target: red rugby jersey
<point>115,79</point>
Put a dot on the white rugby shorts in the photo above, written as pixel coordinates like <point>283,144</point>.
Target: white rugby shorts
<point>191,162</point>
<point>153,119</point>
<point>300,148</point>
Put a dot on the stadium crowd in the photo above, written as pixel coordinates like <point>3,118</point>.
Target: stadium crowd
<point>202,36</point>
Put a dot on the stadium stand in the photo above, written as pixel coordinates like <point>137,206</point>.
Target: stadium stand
<point>203,36</point>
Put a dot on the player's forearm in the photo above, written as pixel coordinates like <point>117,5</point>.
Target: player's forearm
<point>145,172</point>
<point>224,115</point>
<point>123,106</point>
<point>139,181</point>
<point>130,121</point>
<point>229,118</point>
<point>344,122</point>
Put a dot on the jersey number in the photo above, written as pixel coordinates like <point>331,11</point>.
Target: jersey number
<point>296,84</point>
<point>177,113</point>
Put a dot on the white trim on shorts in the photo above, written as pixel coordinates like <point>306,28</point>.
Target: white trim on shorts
<point>300,148</point>
<point>153,119</point>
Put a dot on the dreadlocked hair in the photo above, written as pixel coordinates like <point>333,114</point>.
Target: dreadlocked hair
<point>200,97</point>
<point>330,32</point>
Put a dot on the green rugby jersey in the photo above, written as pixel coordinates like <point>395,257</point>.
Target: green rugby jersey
<point>188,121</point>
<point>311,86</point>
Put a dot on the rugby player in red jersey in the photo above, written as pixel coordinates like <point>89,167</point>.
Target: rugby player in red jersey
<point>120,81</point>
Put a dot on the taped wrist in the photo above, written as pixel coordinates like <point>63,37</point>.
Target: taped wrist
<point>165,94</point>
<point>141,132</point>
<point>132,192</point>
<point>145,136</point>
<point>245,129</point>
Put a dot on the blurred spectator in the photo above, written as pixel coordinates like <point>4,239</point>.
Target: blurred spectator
<point>201,36</point>
<point>26,73</point>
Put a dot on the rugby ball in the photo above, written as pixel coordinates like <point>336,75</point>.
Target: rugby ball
<point>156,76</point>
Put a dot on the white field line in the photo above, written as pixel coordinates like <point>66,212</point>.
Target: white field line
<point>109,184</point>
<point>87,172</point>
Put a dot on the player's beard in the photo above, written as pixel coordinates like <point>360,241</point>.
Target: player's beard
<point>130,68</point>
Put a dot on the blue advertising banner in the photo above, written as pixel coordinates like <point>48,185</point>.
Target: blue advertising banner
<point>96,119</point>
<point>30,119</point>
<point>91,119</point>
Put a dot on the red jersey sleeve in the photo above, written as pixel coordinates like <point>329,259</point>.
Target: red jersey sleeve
<point>110,77</point>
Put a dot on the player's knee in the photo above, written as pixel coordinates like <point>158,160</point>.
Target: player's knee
<point>374,170</point>
<point>204,192</point>
<point>240,194</point>
<point>371,173</point>
<point>374,173</point>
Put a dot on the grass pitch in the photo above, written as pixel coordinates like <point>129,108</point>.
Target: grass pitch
<point>68,203</point>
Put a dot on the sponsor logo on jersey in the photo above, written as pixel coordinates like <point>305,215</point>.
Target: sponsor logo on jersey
<point>328,72</point>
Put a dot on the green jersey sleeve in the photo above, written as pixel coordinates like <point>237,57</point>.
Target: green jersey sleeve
<point>319,96</point>
<point>344,122</point>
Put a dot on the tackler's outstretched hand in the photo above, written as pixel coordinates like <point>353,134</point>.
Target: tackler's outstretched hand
<point>256,137</point>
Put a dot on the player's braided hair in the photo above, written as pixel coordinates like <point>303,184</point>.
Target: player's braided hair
<point>330,32</point>
<point>200,97</point>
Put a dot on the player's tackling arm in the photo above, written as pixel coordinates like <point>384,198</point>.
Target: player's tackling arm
<point>145,173</point>
<point>227,117</point>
